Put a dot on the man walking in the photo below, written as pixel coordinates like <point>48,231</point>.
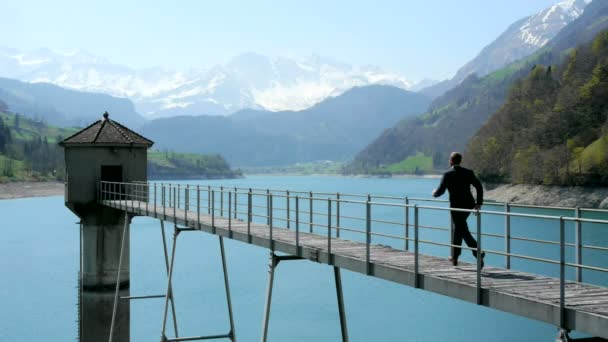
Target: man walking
<point>458,180</point>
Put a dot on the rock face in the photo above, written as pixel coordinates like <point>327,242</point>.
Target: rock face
<point>561,196</point>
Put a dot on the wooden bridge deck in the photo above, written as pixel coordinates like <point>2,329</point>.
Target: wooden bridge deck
<point>523,294</point>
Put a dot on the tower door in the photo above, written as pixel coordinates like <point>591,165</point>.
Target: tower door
<point>113,173</point>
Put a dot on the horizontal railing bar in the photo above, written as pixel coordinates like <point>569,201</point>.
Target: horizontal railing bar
<point>143,297</point>
<point>198,338</point>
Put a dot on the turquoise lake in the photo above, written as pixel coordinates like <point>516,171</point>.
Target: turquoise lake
<point>39,258</point>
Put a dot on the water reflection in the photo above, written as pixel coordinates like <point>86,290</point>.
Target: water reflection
<point>96,316</point>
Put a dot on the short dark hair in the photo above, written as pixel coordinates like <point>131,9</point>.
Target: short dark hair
<point>456,158</point>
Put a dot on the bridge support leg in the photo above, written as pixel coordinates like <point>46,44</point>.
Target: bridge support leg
<point>163,336</point>
<point>341,311</point>
<point>169,297</point>
<point>227,286</point>
<point>170,292</point>
<point>120,259</point>
<point>274,262</point>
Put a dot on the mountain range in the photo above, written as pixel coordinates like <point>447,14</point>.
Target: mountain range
<point>334,129</point>
<point>453,118</point>
<point>64,107</point>
<point>248,81</point>
<point>521,39</point>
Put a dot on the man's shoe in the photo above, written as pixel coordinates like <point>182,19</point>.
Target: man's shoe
<point>454,261</point>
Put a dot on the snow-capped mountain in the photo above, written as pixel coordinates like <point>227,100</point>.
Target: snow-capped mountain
<point>521,39</point>
<point>524,37</point>
<point>247,81</point>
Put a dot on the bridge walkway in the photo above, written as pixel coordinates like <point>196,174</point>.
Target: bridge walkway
<point>584,307</point>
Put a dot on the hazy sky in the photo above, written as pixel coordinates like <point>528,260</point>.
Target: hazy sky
<point>417,39</point>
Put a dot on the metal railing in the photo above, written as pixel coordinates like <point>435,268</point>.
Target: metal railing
<point>375,219</point>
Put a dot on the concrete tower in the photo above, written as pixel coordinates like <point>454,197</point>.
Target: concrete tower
<point>104,151</point>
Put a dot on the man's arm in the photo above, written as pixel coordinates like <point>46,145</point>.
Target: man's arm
<point>441,189</point>
<point>478,188</point>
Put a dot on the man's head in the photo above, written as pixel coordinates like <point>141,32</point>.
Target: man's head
<point>455,158</point>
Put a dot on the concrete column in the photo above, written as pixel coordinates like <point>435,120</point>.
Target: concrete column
<point>102,234</point>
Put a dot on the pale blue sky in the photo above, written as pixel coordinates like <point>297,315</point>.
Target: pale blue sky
<point>417,39</point>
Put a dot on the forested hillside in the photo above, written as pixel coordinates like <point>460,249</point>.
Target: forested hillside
<point>29,152</point>
<point>171,165</point>
<point>455,117</point>
<point>553,128</point>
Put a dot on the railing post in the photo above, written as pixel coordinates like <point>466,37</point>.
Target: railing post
<point>230,214</point>
<point>163,191</point>
<point>249,215</point>
<point>132,195</point>
<point>311,217</point>
<point>155,212</point>
<point>268,206</point>
<point>337,214</point>
<point>329,262</point>
<point>508,236</point>
<point>186,203</point>
<point>407,224</point>
<point>147,197</point>
<point>175,203</point>
<point>198,207</point>
<point>213,211</point>
<point>298,225</point>
<point>479,258</point>
<point>368,235</point>
<point>287,213</point>
<point>209,199</point>
<point>235,202</point>
<point>270,221</point>
<point>416,251</point>
<point>562,273</point>
<point>578,249</point>
<point>221,201</point>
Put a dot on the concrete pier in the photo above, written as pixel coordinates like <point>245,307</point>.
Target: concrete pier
<point>102,234</point>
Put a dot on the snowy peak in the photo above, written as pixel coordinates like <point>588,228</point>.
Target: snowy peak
<point>521,39</point>
<point>248,80</point>
<point>541,27</point>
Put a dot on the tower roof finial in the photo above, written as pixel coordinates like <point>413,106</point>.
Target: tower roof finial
<point>106,115</point>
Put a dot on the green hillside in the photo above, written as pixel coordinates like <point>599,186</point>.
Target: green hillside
<point>454,118</point>
<point>553,127</point>
<point>171,165</point>
<point>29,152</point>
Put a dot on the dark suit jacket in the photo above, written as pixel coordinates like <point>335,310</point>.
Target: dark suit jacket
<point>458,181</point>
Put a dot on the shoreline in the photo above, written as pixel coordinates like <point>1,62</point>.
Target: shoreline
<point>15,190</point>
<point>549,195</point>
<point>544,195</point>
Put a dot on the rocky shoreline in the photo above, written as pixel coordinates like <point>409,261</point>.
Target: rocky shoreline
<point>12,190</point>
<point>560,196</point>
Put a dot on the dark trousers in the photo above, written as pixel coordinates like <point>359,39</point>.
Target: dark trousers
<point>461,231</point>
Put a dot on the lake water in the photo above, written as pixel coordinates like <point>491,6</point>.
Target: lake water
<point>39,258</point>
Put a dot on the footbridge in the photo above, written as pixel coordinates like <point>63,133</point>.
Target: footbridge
<point>399,239</point>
